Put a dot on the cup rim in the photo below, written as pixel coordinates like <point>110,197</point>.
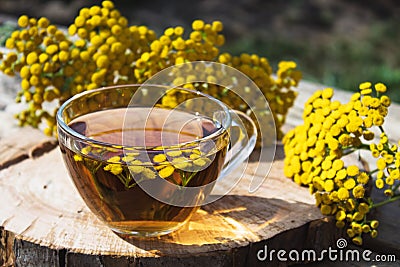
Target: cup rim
<point>64,126</point>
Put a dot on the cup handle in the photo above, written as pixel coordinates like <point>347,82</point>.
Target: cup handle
<point>243,138</point>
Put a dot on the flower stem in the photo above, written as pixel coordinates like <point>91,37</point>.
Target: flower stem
<point>392,199</point>
<point>354,149</point>
<point>396,187</point>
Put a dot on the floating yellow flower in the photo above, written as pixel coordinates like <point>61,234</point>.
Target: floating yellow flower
<point>114,159</point>
<point>166,172</point>
<point>159,158</point>
<point>77,157</point>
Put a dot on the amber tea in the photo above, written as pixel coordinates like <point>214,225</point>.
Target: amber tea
<point>109,181</point>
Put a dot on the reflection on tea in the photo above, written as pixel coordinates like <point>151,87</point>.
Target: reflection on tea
<point>109,180</point>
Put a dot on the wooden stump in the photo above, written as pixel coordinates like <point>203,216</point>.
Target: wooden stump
<point>44,208</point>
<point>44,222</point>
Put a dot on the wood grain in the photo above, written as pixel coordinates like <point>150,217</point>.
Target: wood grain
<point>19,143</point>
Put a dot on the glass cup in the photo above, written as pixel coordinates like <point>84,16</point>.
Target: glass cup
<point>144,158</point>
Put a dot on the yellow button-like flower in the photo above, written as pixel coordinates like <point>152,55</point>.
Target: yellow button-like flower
<point>200,162</point>
<point>179,30</point>
<point>395,173</point>
<point>102,61</point>
<point>363,208</point>
<point>365,85</point>
<point>378,120</point>
<point>380,87</point>
<point>78,157</point>
<point>379,183</point>
<point>349,184</point>
<point>217,26</point>
<point>343,193</point>
<point>388,192</point>
<point>326,164</point>
<point>148,173</point>
<point>80,21</point>
<point>159,158</point>
<point>166,172</point>
<point>198,25</point>
<point>23,21</point>
<point>381,164</point>
<point>31,58</point>
<point>340,215</point>
<point>136,168</point>
<point>389,180</point>
<point>63,56</point>
<point>363,178</point>
<point>169,31</point>
<point>327,93</point>
<point>329,185</point>
<point>353,170</point>
<point>108,4</point>
<point>116,169</point>
<point>196,36</point>
<point>114,159</point>
<point>174,153</point>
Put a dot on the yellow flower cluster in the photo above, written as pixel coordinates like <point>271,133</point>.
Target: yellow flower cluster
<point>101,49</point>
<point>315,154</point>
<point>276,90</point>
<point>203,45</point>
<point>98,50</point>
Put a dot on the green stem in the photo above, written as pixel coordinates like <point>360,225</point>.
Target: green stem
<point>392,199</point>
<point>372,172</point>
<point>362,146</point>
<point>396,187</point>
<point>97,168</point>
<point>190,178</point>
<point>122,179</point>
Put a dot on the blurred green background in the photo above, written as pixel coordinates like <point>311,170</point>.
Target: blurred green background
<point>334,42</point>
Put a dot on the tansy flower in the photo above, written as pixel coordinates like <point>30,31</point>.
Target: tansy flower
<point>380,87</point>
<point>113,168</point>
<point>343,193</point>
<point>326,209</point>
<point>166,172</point>
<point>358,191</point>
<point>77,157</point>
<point>114,159</point>
<point>365,85</point>
<point>353,170</point>
<point>363,178</point>
<point>340,215</point>
<point>379,183</point>
<point>149,174</point>
<point>136,168</point>
<point>349,183</point>
<point>363,208</point>
<point>381,164</point>
<point>159,158</point>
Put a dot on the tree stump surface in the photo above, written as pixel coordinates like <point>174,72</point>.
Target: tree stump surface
<point>44,222</point>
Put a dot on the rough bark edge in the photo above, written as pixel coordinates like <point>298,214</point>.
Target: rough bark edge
<point>313,235</point>
<point>6,248</point>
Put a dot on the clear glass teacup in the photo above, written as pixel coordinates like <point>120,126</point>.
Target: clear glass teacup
<point>144,158</point>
